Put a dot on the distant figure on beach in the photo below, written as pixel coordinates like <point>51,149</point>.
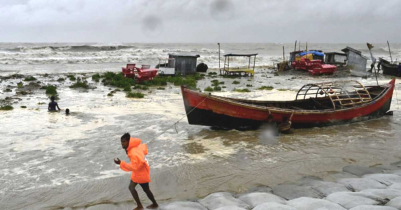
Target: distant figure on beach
<point>53,105</point>
<point>67,112</point>
<point>139,166</point>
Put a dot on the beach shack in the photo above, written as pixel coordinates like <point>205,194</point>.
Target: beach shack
<point>336,58</point>
<point>355,60</point>
<point>184,64</point>
<point>247,70</point>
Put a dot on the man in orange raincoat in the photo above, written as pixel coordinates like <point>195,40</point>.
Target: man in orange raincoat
<point>139,166</point>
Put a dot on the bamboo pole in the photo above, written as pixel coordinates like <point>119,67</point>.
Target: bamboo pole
<point>295,48</point>
<point>390,51</point>
<point>283,55</point>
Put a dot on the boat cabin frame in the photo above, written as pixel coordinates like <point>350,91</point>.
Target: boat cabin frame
<point>247,70</point>
<point>341,94</point>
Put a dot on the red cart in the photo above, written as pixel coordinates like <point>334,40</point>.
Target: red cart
<point>141,74</point>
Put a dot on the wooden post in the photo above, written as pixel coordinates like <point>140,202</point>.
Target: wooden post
<point>390,51</point>
<point>283,55</point>
<point>295,48</point>
<point>307,48</point>
<point>219,54</point>
<point>299,46</point>
<point>254,60</point>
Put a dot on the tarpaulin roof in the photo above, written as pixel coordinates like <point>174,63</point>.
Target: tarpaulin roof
<point>312,52</point>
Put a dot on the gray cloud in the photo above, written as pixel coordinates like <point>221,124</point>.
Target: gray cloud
<point>199,21</point>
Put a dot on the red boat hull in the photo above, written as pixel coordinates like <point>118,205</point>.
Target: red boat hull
<point>216,111</point>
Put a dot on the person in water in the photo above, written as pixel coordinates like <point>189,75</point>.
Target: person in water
<point>53,105</point>
<point>139,166</point>
<point>67,112</point>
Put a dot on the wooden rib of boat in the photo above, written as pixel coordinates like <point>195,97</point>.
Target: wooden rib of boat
<point>314,105</point>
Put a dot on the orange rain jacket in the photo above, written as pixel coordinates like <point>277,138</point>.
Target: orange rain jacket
<point>139,166</point>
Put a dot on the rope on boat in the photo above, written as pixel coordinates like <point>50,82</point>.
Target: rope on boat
<point>175,124</point>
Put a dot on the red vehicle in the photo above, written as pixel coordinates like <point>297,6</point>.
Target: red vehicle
<point>314,67</point>
<point>315,105</point>
<point>141,74</point>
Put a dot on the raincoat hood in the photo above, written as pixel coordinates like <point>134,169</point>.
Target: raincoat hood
<point>133,142</point>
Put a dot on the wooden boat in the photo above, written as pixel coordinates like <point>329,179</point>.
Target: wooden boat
<point>389,68</point>
<point>314,105</point>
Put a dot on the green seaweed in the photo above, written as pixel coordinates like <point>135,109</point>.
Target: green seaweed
<point>248,85</point>
<point>51,90</point>
<point>96,77</point>
<point>209,89</point>
<point>266,88</point>
<point>30,78</point>
<point>6,108</point>
<point>80,84</point>
<point>20,84</point>
<point>71,77</point>
<point>135,95</point>
<point>242,90</point>
<point>235,82</point>
<point>23,107</point>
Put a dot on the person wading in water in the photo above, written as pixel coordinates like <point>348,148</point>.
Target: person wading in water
<point>53,105</point>
<point>139,166</point>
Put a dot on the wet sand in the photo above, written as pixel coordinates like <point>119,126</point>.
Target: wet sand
<point>54,161</point>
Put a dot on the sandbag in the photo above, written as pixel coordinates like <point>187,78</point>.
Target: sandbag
<point>256,198</point>
<point>273,206</point>
<point>184,205</point>
<point>313,204</point>
<point>221,199</point>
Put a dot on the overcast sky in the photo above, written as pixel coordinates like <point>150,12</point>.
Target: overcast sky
<point>115,21</point>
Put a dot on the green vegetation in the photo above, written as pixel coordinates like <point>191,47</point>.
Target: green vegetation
<point>215,82</point>
<point>96,77</point>
<point>71,77</point>
<point>223,86</point>
<point>276,74</point>
<point>117,80</point>
<point>61,79</point>
<point>221,83</point>
<point>189,80</point>
<point>282,89</point>
<point>45,75</point>
<point>8,90</point>
<point>20,84</point>
<point>6,108</point>
<point>266,88</point>
<point>30,78</point>
<point>141,87</point>
<point>161,88</point>
<point>248,85</point>
<point>235,82</point>
<point>211,73</point>
<point>41,103</point>
<point>242,90</point>
<point>51,90</point>
<point>135,95</point>
<point>209,89</point>
<point>80,84</point>
<point>127,89</point>
<point>110,94</point>
<point>23,107</point>
<point>217,88</point>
